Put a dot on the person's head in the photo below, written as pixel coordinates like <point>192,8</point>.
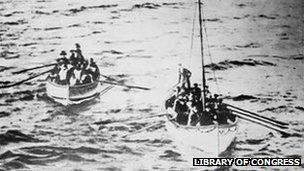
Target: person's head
<point>220,100</point>
<point>178,89</point>
<point>78,66</point>
<point>63,53</point>
<point>180,66</point>
<point>195,85</point>
<point>72,51</point>
<point>91,60</point>
<point>77,46</point>
<point>216,96</point>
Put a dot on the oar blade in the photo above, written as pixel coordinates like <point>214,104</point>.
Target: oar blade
<point>29,69</point>
<point>23,81</point>
<point>125,85</point>
<point>257,115</point>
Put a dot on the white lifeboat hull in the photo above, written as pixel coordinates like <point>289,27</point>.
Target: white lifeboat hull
<point>69,95</point>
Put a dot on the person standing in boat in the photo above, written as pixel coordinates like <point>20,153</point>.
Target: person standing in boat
<point>184,76</point>
<point>79,55</point>
<point>73,59</point>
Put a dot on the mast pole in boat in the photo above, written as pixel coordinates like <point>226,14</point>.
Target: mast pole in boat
<point>202,54</point>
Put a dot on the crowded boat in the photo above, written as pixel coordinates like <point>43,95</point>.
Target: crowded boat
<point>188,105</point>
<point>75,70</point>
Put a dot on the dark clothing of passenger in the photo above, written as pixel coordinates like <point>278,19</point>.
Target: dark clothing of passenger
<point>79,55</point>
<point>206,118</point>
<point>87,79</point>
<point>196,92</point>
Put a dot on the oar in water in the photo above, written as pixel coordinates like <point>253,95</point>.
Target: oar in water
<point>25,80</point>
<point>107,77</point>
<point>29,69</point>
<point>143,129</point>
<point>260,119</point>
<point>284,132</point>
<point>132,119</point>
<point>125,85</point>
<point>254,114</point>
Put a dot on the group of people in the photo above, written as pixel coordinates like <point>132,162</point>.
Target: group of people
<point>187,103</point>
<point>75,70</point>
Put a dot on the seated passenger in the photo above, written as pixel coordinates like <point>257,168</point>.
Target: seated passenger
<point>193,114</point>
<point>86,79</point>
<point>72,80</point>
<point>77,72</point>
<point>221,116</point>
<point>196,91</point>
<point>206,118</point>
<point>93,69</point>
<point>63,74</point>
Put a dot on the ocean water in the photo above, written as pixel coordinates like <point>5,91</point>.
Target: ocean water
<point>253,55</point>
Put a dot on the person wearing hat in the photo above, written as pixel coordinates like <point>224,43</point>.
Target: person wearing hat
<point>63,58</point>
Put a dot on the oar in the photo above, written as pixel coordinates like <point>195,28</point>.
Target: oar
<point>142,129</point>
<point>22,81</point>
<point>125,85</point>
<point>251,113</point>
<point>106,122</point>
<point>259,119</point>
<point>29,69</point>
<point>107,77</point>
<point>282,131</point>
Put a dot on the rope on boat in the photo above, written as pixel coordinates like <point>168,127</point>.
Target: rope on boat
<point>209,53</point>
<point>192,35</point>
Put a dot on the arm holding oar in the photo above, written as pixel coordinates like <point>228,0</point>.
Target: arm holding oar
<point>29,69</point>
<point>25,80</point>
